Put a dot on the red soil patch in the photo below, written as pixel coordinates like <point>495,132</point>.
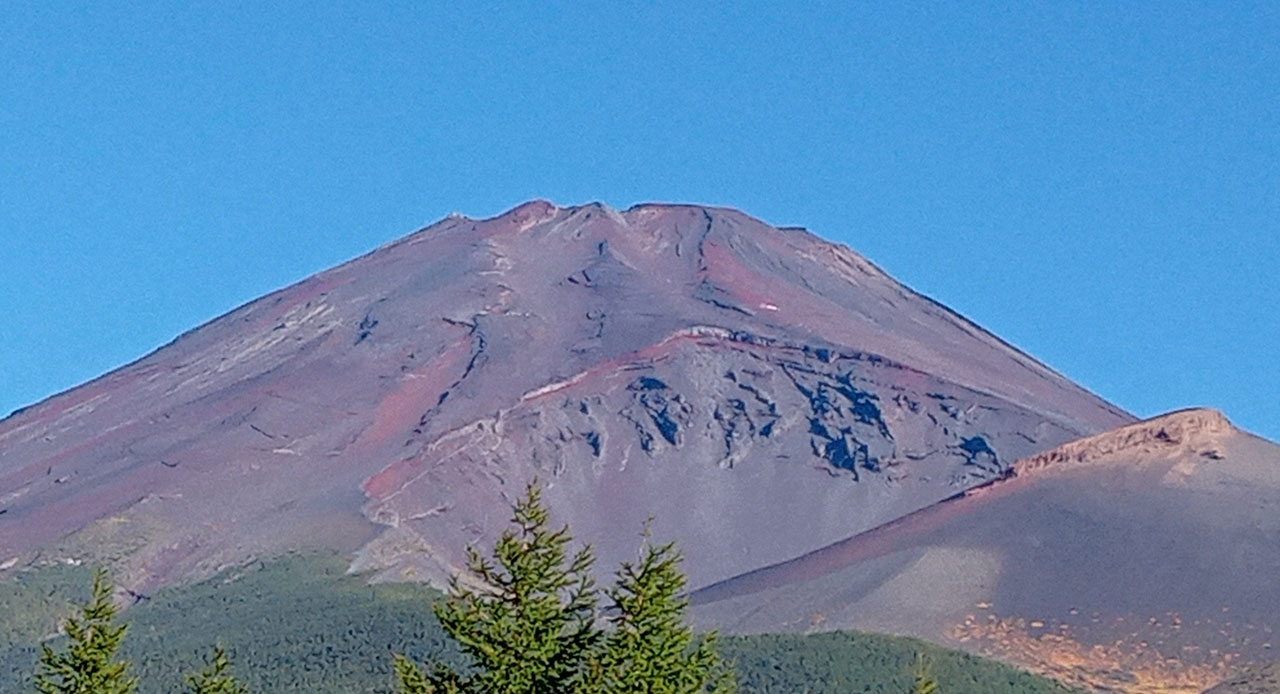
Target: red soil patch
<point>418,392</point>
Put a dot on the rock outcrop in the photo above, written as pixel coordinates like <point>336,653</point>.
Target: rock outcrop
<point>1184,431</point>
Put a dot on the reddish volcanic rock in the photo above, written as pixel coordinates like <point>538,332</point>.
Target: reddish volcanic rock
<point>761,392</point>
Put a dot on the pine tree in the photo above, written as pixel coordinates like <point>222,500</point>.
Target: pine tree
<point>215,677</point>
<point>651,650</point>
<point>530,627</point>
<point>413,681</point>
<point>88,665</point>
<point>923,681</point>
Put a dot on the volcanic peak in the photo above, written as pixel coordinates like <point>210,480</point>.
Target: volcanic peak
<point>678,361</point>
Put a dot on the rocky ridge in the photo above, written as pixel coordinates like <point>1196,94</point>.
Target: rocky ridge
<point>1191,430</point>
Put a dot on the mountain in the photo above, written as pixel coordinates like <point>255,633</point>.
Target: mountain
<point>759,392</point>
<point>1143,559</point>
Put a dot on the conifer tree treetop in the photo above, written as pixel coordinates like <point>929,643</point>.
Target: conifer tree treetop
<point>88,664</point>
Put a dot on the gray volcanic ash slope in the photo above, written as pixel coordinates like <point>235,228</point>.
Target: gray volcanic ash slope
<point>1144,559</point>
<point>1260,680</point>
<point>760,392</point>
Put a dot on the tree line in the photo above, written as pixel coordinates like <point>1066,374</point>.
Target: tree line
<point>529,619</point>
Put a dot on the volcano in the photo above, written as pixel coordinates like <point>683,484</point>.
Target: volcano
<point>758,391</point>
<point>829,448</point>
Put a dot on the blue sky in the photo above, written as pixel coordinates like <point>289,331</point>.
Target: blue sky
<point>1098,183</point>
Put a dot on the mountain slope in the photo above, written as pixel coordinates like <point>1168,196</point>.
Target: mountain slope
<point>1261,680</point>
<point>759,391</point>
<point>1143,559</point>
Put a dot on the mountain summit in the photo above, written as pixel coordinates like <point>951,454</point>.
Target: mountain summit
<point>761,392</point>
<point>830,448</point>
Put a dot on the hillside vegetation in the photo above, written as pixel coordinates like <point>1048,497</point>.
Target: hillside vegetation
<point>299,623</point>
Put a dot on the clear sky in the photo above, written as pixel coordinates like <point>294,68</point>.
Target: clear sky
<point>1098,183</point>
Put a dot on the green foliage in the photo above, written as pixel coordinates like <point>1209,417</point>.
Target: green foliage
<point>215,677</point>
<point>34,601</point>
<point>88,665</point>
<point>412,681</point>
<point>300,623</point>
<point>532,625</point>
<point>840,662</point>
<point>529,625</point>
<point>650,648</point>
<point>296,624</point>
<point>923,681</point>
